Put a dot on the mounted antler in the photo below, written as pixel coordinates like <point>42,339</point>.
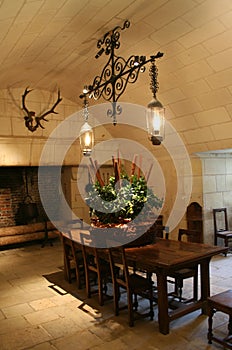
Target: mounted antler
<point>31,121</point>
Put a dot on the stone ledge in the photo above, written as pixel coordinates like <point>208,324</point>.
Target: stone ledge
<point>25,233</point>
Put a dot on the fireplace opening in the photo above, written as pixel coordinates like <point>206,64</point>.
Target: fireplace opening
<point>19,196</point>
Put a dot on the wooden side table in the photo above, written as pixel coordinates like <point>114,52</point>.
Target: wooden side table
<point>220,302</point>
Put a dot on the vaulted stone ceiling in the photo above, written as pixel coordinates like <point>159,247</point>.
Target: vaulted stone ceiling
<point>49,43</point>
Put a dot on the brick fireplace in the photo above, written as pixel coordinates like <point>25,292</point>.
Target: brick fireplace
<point>18,186</point>
<point>22,217</point>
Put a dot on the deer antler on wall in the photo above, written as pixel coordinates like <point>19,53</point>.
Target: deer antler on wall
<point>32,122</point>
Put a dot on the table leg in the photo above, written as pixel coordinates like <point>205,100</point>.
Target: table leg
<point>205,284</point>
<point>163,316</point>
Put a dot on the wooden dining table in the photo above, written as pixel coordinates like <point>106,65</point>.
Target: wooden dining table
<point>166,256</point>
<point>163,258</point>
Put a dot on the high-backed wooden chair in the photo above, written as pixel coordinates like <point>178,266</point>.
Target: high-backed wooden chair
<point>157,230</point>
<point>68,258</point>
<point>73,261</point>
<point>221,227</point>
<point>132,282</point>
<point>72,253</point>
<point>188,272</point>
<point>96,268</point>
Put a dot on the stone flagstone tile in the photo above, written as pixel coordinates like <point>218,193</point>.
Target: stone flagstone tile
<point>41,316</point>
<point>39,293</point>
<point>108,330</point>
<point>9,325</point>
<point>114,344</point>
<point>11,291</point>
<point>66,299</point>
<point>42,304</point>
<point>79,341</point>
<point>44,346</point>
<point>61,327</point>
<point>24,338</point>
<point>17,310</point>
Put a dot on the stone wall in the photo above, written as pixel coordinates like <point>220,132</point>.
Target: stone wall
<point>217,188</point>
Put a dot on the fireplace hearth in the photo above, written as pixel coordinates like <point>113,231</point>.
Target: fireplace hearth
<point>22,217</point>
<point>19,196</point>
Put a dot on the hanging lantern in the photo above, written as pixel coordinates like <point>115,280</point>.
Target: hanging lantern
<point>86,133</point>
<point>155,111</point>
<point>155,121</point>
<point>86,139</point>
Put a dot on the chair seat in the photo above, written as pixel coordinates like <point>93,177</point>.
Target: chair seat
<point>139,283</point>
<point>224,233</point>
<point>220,302</point>
<point>183,273</point>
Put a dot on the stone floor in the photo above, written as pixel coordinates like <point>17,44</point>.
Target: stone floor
<point>40,311</point>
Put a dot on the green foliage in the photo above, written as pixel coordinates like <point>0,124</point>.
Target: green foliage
<point>122,200</point>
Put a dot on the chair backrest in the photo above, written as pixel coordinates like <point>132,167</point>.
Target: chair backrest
<point>220,219</point>
<point>90,259</point>
<point>85,237</point>
<point>159,230</point>
<point>191,235</point>
<point>76,250</point>
<point>66,241</point>
<point>117,257</point>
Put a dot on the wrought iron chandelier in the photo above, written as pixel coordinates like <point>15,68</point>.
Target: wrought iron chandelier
<point>111,83</point>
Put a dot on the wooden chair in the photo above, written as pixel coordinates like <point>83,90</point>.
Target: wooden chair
<point>188,272</point>
<point>220,302</point>
<point>157,230</point>
<point>73,261</point>
<point>221,228</point>
<point>132,282</point>
<point>96,269</point>
<point>72,253</point>
<point>68,258</point>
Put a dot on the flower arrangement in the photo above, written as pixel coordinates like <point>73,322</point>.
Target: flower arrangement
<point>122,198</point>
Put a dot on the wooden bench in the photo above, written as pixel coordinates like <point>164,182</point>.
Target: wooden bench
<point>220,302</point>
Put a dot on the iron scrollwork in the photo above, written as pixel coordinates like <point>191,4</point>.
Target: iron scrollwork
<point>117,72</point>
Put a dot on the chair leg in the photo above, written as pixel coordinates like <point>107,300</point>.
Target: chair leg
<point>135,304</point>
<point>226,245</point>
<point>230,325</point>
<point>151,305</point>
<point>100,292</point>
<point>195,286</point>
<point>87,284</point>
<point>78,277</point>
<point>67,268</point>
<point>215,239</point>
<point>178,288</point>
<point>130,309</point>
<point>78,273</point>
<point>210,326</point>
<point>116,299</point>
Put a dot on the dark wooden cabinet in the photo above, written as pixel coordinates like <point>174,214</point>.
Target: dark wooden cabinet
<point>195,220</point>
